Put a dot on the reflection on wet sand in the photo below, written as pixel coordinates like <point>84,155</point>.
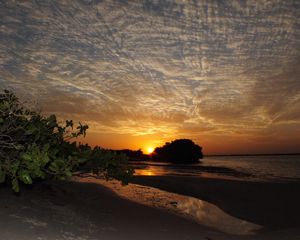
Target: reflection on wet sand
<point>203,212</point>
<point>210,215</point>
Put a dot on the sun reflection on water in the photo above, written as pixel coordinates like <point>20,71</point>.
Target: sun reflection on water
<point>145,172</point>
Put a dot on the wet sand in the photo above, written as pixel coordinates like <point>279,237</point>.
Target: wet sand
<point>84,211</point>
<point>272,205</point>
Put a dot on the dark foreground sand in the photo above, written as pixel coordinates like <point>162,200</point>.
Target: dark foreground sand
<point>85,211</point>
<point>272,205</point>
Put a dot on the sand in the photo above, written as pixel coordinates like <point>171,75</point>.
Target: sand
<point>272,205</point>
<point>202,212</point>
<point>83,210</point>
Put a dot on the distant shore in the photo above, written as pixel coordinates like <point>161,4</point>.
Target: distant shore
<point>255,154</point>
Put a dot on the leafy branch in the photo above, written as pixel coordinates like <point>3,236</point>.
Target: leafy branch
<point>35,147</point>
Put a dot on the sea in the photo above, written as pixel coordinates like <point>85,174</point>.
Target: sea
<point>275,168</point>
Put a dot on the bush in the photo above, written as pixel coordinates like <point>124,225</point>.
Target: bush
<point>34,147</point>
<point>110,164</point>
<point>178,151</point>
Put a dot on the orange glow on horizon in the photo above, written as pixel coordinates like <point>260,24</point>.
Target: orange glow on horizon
<point>215,144</point>
<point>150,150</point>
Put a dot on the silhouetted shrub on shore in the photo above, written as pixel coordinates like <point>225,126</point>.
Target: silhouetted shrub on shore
<point>178,151</point>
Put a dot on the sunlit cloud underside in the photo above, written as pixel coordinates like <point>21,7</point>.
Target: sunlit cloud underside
<point>213,71</point>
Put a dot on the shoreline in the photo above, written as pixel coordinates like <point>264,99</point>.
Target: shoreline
<point>272,205</point>
<point>87,211</point>
<point>197,210</point>
<point>84,210</point>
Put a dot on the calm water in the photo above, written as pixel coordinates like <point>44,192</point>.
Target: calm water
<point>274,168</point>
<point>277,166</point>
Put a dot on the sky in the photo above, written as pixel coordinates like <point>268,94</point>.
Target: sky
<point>225,74</point>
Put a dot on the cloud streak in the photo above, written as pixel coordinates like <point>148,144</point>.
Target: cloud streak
<point>170,68</point>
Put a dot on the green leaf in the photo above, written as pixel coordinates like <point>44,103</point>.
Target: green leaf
<point>68,173</point>
<point>15,185</point>
<point>26,157</point>
<point>54,167</point>
<point>25,177</point>
<point>82,160</point>
<point>45,159</point>
<point>46,147</point>
<point>31,129</point>
<point>15,167</point>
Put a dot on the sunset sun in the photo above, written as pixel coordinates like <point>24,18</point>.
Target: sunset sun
<point>150,150</point>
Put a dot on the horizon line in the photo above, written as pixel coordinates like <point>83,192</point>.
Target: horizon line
<point>250,154</point>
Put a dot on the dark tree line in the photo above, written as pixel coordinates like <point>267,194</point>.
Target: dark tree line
<point>134,155</point>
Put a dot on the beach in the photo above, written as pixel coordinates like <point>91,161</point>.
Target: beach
<point>83,211</point>
<point>87,208</point>
<point>272,205</point>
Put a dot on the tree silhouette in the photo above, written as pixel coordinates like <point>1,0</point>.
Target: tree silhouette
<point>178,151</point>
